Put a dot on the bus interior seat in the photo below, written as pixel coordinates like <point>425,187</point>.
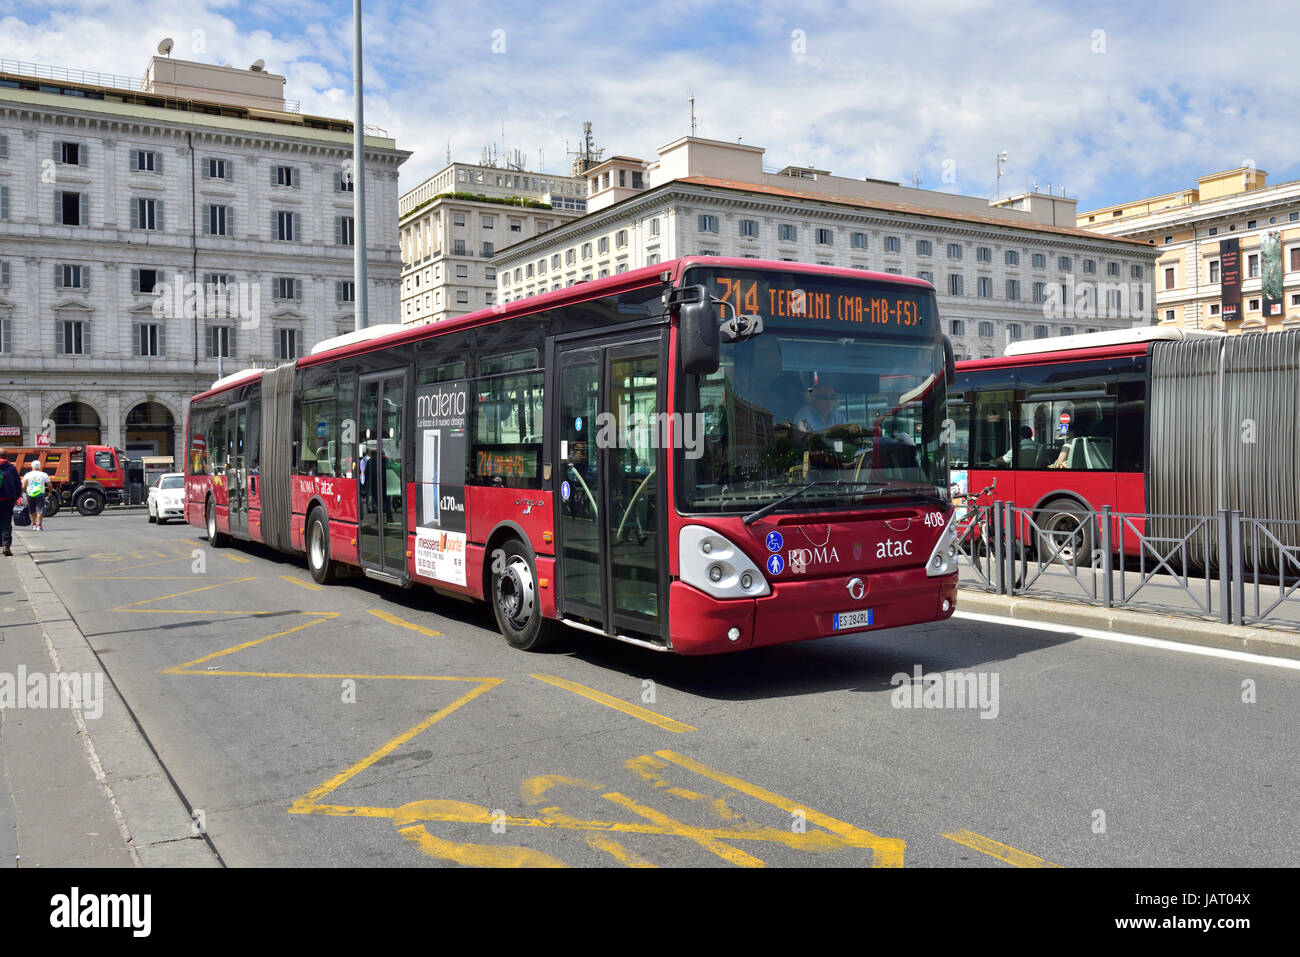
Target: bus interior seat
<point>1098,453</point>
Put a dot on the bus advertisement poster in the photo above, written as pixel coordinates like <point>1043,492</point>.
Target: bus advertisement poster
<point>441,422</point>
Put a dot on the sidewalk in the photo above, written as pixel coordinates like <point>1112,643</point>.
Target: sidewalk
<point>79,785</point>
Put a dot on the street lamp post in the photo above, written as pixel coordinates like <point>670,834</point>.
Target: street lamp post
<point>362,302</point>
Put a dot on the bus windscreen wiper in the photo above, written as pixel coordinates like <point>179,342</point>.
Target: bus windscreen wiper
<point>770,507</point>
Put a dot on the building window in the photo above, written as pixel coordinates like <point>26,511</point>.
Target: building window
<point>345,290</point>
<point>986,330</point>
<point>71,209</point>
<point>1064,263</point>
<point>4,272</point>
<point>287,288</point>
<point>284,176</point>
<point>488,222</point>
<point>1013,290</point>
<point>516,225</point>
<point>1013,331</point>
<point>787,232</point>
<point>602,245</point>
<point>1214,309</point>
<point>652,259</point>
<point>343,181</point>
<point>1252,266</point>
<point>345,231</point>
<point>1169,315</point>
<point>620,239</point>
<point>1067,330</point>
<point>955,286</point>
<point>6,338</point>
<point>70,338</point>
<point>458,219</point>
<point>1252,305</point>
<point>1135,272</point>
<point>214,168</point>
<point>490,273</point>
<point>958,327</point>
<point>490,298</point>
<point>954,250</point>
<point>458,247</point>
<point>148,339</point>
<point>923,274</point>
<point>1040,260</point>
<point>69,276</point>
<point>1041,332</point>
<point>1250,224</point>
<point>984,254</point>
<point>146,281</point>
<point>749,227</point>
<point>924,247</point>
<point>654,227</point>
<point>1112,269</point>
<point>1090,265</point>
<point>462,271</point>
<point>218,220</point>
<point>73,154</point>
<point>462,296</point>
<point>1169,277</point>
<point>1214,270</point>
<point>893,244</point>
<point>825,237</point>
<point>146,161</point>
<point>147,214</point>
<point>489,250</point>
<point>586,250</point>
<point>4,202</point>
<point>1013,257</point>
<point>984,287</point>
<point>288,343</point>
<point>708,223</point>
<point>528,272</point>
<point>221,342</point>
<point>858,240</point>
<point>570,257</point>
<point>285,225</point>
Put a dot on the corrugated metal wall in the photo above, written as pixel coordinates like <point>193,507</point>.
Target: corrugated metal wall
<point>1225,425</point>
<point>277,449</point>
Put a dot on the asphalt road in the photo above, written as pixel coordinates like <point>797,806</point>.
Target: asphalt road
<point>362,724</point>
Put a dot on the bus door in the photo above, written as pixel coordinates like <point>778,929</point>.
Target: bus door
<point>609,484</point>
<point>381,485</point>
<point>237,468</point>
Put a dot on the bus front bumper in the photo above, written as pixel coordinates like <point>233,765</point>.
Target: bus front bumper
<point>800,610</point>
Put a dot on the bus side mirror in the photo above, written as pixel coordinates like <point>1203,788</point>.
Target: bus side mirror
<point>949,363</point>
<point>698,331</point>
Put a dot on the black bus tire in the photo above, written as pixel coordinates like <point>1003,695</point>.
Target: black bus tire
<point>1058,519</point>
<point>515,599</point>
<point>323,569</point>
<point>215,538</point>
<point>90,503</point>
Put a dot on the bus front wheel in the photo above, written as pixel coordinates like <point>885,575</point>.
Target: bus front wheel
<point>323,569</point>
<point>515,601</point>
<point>1065,525</point>
<point>215,538</point>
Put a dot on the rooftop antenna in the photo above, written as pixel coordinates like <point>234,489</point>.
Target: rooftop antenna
<point>692,100</point>
<point>165,47</point>
<point>541,160</point>
<point>1002,161</point>
<point>916,179</point>
<point>258,66</point>
<point>449,151</point>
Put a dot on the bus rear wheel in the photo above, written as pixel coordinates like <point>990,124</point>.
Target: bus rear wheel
<point>1066,525</point>
<point>215,538</point>
<point>323,569</point>
<point>515,601</point>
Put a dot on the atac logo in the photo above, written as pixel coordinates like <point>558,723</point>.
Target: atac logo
<point>894,548</point>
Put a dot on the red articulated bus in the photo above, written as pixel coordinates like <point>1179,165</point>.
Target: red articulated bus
<point>1166,422</point>
<point>701,456</point>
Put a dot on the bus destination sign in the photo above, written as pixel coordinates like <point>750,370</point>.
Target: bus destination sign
<point>788,296</point>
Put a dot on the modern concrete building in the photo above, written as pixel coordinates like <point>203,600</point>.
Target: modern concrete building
<point>1229,250</point>
<point>454,222</point>
<point>1018,269</point>
<point>155,232</point>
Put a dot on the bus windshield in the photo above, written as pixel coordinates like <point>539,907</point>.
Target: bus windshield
<point>810,400</point>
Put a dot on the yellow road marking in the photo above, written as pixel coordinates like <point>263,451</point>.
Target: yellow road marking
<point>302,584</point>
<point>394,620</point>
<point>1003,852</point>
<point>609,701</point>
<point>127,568</point>
<point>888,851</point>
<point>189,591</point>
<point>150,578</point>
<point>182,669</point>
<point>619,852</point>
<point>237,558</point>
<point>304,804</point>
<point>728,853</point>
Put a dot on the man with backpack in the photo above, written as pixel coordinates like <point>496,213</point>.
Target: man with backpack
<point>10,489</point>
<point>36,485</point>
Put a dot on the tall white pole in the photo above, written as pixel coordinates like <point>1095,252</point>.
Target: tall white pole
<point>359,176</point>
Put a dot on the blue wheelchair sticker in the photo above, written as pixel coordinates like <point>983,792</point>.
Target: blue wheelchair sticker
<point>774,541</point>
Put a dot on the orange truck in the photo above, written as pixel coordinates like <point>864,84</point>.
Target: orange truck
<point>86,477</point>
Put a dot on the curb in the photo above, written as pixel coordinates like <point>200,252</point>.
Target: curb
<point>153,818</point>
<point>1170,628</point>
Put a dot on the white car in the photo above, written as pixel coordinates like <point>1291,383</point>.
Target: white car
<point>167,498</point>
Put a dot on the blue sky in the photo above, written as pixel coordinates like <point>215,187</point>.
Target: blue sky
<point>1113,101</point>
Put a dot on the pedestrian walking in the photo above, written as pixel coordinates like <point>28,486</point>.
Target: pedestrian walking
<point>10,490</point>
<point>36,485</point>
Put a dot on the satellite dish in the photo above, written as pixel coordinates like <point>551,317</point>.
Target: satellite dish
<point>165,47</point>
<point>258,66</point>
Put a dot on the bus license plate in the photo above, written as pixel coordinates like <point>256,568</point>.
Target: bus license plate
<point>852,619</point>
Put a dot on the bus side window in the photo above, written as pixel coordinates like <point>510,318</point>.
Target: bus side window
<point>993,435</point>
<point>959,446</point>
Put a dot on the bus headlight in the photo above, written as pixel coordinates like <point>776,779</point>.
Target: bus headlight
<point>716,566</point>
<point>943,560</point>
